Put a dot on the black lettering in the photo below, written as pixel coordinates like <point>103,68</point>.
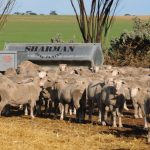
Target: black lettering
<point>71,48</point>
<point>65,48</point>
<point>35,48</point>
<point>47,49</point>
<point>56,48</point>
<point>28,48</point>
<point>32,49</point>
<point>41,49</point>
<point>50,49</point>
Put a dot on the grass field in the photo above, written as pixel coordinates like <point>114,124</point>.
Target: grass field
<point>43,28</point>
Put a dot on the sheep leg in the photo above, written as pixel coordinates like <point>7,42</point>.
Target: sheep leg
<point>120,121</point>
<point>90,109</point>
<point>145,123</point>
<point>75,106</point>
<point>148,136</point>
<point>1,108</point>
<point>106,113</point>
<point>74,111</point>
<point>47,106</point>
<point>103,115</point>
<point>70,111</point>
<point>32,104</point>
<point>67,108</point>
<point>100,111</point>
<point>26,110</point>
<point>62,110</point>
<point>38,107</point>
<point>135,105</point>
<point>56,105</point>
<point>119,117</point>
<point>100,116</point>
<point>125,106</point>
<point>114,119</point>
<point>2,105</point>
<point>140,112</point>
<point>142,109</point>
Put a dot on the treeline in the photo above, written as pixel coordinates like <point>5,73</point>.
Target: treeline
<point>33,13</point>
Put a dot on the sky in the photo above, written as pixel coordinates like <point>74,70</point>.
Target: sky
<point>63,7</point>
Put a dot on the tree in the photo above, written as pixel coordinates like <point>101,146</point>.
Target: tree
<point>5,8</point>
<point>53,13</point>
<point>127,14</point>
<point>95,26</point>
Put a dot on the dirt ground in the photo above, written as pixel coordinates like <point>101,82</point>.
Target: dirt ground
<point>20,132</point>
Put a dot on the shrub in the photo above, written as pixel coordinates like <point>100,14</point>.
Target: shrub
<point>59,39</point>
<point>131,48</point>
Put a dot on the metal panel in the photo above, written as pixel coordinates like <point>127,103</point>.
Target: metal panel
<point>11,59</point>
<point>21,56</point>
<point>7,60</point>
<point>64,52</point>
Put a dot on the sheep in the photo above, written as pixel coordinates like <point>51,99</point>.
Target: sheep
<point>139,95</point>
<point>147,114</point>
<point>93,93</point>
<point>19,94</point>
<point>63,67</point>
<point>68,93</point>
<point>10,72</point>
<point>28,68</point>
<point>111,99</point>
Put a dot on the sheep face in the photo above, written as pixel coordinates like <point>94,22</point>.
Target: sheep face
<point>63,67</point>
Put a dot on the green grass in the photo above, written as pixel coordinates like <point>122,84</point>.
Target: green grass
<point>43,28</point>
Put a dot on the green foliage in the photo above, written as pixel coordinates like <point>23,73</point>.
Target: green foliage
<point>132,48</point>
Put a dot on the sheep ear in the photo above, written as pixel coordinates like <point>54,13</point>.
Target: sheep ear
<point>148,90</point>
<point>139,89</point>
<point>56,81</point>
<point>123,82</point>
<point>49,80</point>
<point>83,82</point>
<point>66,81</point>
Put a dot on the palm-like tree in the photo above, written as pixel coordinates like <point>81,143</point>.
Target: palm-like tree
<point>95,26</point>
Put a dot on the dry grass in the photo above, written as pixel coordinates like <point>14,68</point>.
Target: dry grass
<point>23,133</point>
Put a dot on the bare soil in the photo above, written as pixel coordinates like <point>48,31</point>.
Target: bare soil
<point>20,132</point>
